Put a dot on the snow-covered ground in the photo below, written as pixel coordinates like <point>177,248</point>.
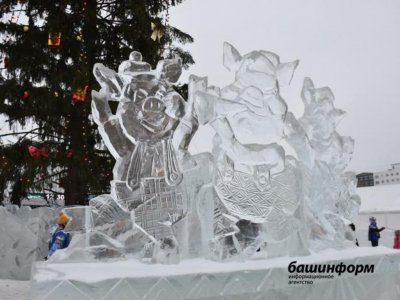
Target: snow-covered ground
<point>14,290</point>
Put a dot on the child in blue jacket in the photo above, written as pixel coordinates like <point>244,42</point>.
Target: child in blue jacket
<point>59,238</point>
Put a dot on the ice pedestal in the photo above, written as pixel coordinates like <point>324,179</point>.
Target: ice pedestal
<point>203,279</point>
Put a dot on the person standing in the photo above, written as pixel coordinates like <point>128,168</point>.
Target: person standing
<point>59,238</point>
<point>374,232</point>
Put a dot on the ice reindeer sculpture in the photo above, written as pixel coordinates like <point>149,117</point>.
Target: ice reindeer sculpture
<point>167,205</point>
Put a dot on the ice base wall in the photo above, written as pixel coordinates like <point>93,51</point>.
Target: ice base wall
<point>201,279</point>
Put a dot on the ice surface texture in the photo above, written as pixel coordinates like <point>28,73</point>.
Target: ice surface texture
<point>24,235</point>
<point>248,194</point>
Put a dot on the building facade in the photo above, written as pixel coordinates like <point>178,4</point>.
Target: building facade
<point>365,179</point>
<point>391,176</point>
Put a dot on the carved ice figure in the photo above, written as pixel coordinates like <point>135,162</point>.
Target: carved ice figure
<point>319,122</point>
<point>149,170</point>
<point>329,193</point>
<point>256,184</point>
<point>166,204</point>
<point>139,135</point>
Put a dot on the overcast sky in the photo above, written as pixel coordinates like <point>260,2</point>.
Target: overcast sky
<point>352,46</point>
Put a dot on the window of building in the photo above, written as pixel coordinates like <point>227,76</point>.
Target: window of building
<point>387,175</point>
<point>376,182</point>
<point>391,174</point>
<point>387,180</point>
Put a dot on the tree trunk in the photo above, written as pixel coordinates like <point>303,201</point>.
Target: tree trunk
<point>74,183</point>
<point>79,128</point>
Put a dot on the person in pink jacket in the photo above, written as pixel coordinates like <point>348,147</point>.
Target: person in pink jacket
<point>396,239</point>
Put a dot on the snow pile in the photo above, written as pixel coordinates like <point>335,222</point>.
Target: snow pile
<point>23,239</point>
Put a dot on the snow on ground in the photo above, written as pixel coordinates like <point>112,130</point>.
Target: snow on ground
<point>14,290</point>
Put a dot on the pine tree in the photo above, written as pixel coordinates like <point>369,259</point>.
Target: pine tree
<point>48,55</point>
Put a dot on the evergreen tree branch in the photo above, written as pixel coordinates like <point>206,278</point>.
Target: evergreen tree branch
<point>18,133</point>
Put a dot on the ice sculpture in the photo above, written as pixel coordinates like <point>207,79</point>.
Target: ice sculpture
<point>331,201</point>
<point>155,180</point>
<point>264,195</point>
<point>24,235</point>
<point>249,195</point>
<point>167,205</point>
<point>259,197</point>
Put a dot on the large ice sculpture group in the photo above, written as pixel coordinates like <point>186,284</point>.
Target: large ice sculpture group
<point>248,195</point>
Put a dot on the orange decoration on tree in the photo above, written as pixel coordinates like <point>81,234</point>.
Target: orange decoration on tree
<point>25,95</point>
<point>80,94</point>
<point>54,39</point>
